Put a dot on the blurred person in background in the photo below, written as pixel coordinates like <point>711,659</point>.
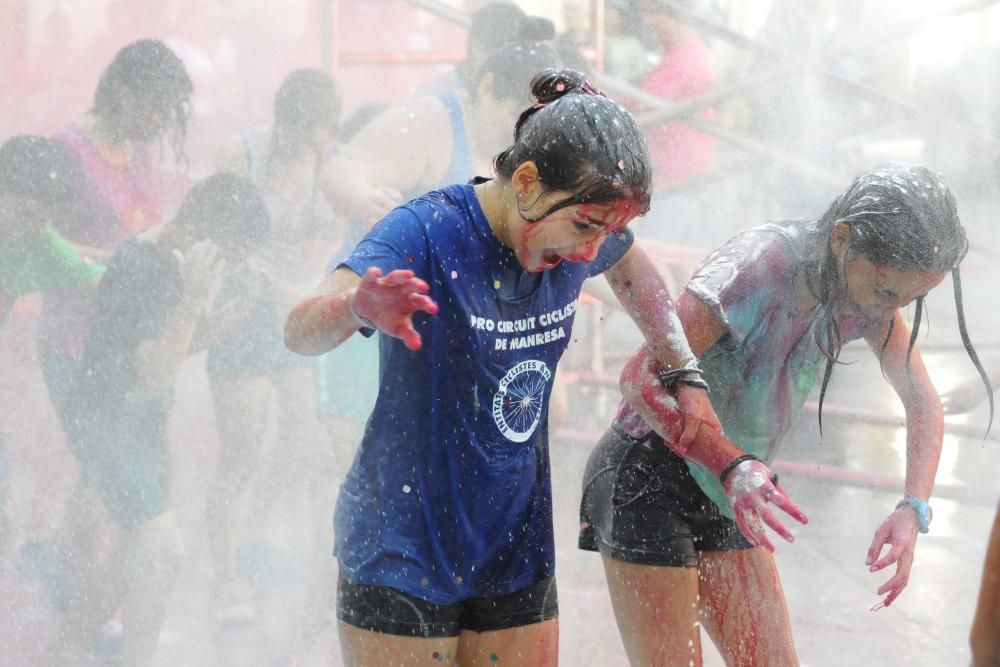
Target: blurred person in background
<point>147,319</point>
<point>287,161</point>
<point>140,104</point>
<point>490,27</point>
<point>678,527</point>
<point>625,55</point>
<point>685,71</point>
<point>679,151</point>
<point>38,180</point>
<point>399,154</point>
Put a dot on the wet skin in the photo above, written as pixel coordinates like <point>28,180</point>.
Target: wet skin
<point>574,233</point>
<point>879,291</point>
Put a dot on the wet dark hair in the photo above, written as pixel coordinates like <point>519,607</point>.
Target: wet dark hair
<point>580,141</point>
<point>514,63</point>
<point>38,168</point>
<point>227,209</point>
<point>902,216</point>
<point>152,73</point>
<point>307,99</point>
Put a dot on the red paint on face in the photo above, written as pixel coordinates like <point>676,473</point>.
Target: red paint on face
<point>615,215</point>
<point>556,237</point>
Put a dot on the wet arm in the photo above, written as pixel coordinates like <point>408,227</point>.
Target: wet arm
<point>643,294</point>
<point>325,319</point>
<point>157,360</point>
<point>924,415</point>
<point>386,158</point>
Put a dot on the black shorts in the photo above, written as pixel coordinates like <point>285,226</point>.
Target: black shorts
<point>641,505</point>
<point>392,612</point>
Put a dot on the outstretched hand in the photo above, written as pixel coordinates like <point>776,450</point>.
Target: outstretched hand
<point>899,533</point>
<point>749,489</point>
<point>389,302</point>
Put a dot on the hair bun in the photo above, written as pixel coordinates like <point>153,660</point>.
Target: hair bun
<point>535,29</point>
<point>551,84</point>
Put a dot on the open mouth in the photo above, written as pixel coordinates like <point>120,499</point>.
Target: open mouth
<point>550,260</point>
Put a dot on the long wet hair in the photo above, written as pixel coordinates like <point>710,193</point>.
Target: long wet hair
<point>580,141</point>
<point>901,216</point>
<point>152,73</point>
<point>514,63</point>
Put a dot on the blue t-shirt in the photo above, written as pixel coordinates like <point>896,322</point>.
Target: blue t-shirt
<point>449,495</point>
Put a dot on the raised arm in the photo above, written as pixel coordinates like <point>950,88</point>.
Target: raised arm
<point>157,360</point>
<point>924,433</point>
<point>389,156</point>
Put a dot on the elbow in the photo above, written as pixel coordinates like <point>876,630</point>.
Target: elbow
<point>925,410</point>
<point>296,340</point>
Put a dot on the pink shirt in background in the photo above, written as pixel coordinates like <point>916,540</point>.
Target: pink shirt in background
<point>678,150</point>
<point>118,202</point>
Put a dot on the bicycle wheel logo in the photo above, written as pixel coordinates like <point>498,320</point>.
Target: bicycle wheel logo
<point>519,401</point>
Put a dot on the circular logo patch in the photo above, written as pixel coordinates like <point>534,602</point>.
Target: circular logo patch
<point>518,403</point>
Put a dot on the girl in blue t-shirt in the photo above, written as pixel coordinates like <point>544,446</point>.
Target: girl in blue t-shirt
<point>763,314</point>
<point>444,522</point>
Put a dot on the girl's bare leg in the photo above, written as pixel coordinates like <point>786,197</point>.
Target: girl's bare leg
<point>363,648</point>
<point>743,608</point>
<point>657,612</point>
<point>536,645</point>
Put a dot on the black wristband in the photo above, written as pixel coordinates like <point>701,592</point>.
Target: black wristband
<point>732,465</point>
<point>693,382</point>
<point>670,378</point>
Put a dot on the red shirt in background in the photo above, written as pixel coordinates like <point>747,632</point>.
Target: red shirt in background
<point>678,150</point>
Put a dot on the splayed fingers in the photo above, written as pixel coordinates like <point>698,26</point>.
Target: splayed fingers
<point>390,302</point>
<point>750,488</point>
